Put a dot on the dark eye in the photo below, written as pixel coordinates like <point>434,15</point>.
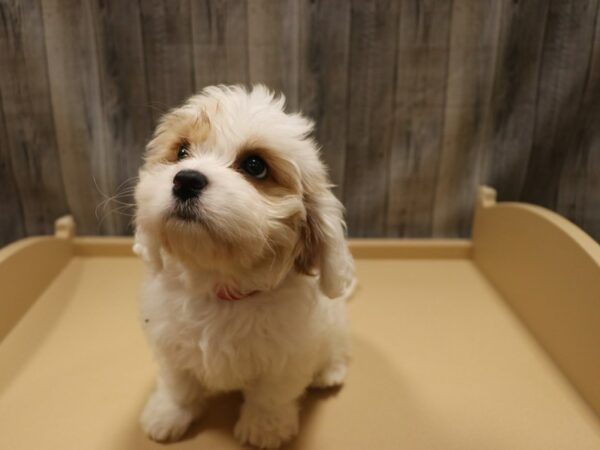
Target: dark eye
<point>182,152</point>
<point>255,167</point>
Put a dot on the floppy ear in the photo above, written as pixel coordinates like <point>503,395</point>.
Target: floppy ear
<point>323,244</point>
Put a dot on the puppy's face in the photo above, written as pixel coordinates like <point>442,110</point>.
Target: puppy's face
<point>232,183</point>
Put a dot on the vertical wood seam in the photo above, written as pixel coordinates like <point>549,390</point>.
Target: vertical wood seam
<point>146,83</point>
<point>485,141</point>
<point>12,168</point>
<point>588,73</point>
<point>444,125</point>
<point>388,155</point>
<point>535,103</point>
<point>106,174</point>
<point>342,181</point>
<point>434,197</point>
<point>249,82</point>
<point>348,93</point>
<point>49,88</point>
<point>193,31</point>
<point>191,46</point>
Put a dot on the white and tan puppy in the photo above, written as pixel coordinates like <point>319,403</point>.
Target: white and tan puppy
<point>248,264</point>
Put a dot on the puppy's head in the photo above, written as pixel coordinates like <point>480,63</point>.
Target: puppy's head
<point>232,183</point>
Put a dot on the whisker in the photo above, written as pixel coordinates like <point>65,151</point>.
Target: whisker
<point>117,203</point>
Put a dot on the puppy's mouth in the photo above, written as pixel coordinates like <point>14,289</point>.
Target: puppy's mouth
<point>186,211</point>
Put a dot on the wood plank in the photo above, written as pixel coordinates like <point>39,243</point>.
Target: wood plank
<point>473,39</point>
<point>373,39</point>
<point>323,79</point>
<point>220,42</point>
<point>415,102</point>
<point>12,224</point>
<point>76,102</point>
<point>168,53</point>
<point>32,184</point>
<point>127,116</point>
<point>514,96</point>
<point>579,188</point>
<point>273,30</point>
<point>418,116</point>
<point>565,64</point>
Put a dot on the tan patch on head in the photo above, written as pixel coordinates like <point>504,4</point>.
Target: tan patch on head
<point>176,129</point>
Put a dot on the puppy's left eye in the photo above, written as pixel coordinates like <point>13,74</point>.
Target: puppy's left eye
<point>182,152</point>
<point>255,166</point>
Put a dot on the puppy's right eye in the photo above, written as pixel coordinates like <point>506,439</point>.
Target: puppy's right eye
<point>182,152</point>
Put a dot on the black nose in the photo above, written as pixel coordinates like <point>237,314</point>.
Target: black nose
<point>188,184</point>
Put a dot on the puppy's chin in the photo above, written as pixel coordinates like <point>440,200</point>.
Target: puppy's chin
<point>253,260</point>
<point>186,212</point>
<point>192,238</point>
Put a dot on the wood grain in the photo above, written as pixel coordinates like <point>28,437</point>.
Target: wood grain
<point>77,109</point>
<point>220,42</point>
<point>323,79</point>
<point>415,102</point>
<point>126,114</point>
<point>514,97</point>
<point>12,223</point>
<point>567,44</point>
<point>373,47</point>
<point>273,30</point>
<point>473,39</point>
<point>579,184</point>
<point>29,142</point>
<point>168,53</point>
<point>421,76</point>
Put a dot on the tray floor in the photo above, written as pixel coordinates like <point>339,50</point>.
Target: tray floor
<point>439,363</point>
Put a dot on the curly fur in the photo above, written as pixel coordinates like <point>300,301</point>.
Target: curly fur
<point>281,239</point>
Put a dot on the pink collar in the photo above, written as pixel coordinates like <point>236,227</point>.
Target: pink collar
<point>230,293</point>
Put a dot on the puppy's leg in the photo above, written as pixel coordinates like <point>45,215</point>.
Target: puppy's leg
<point>337,355</point>
<point>332,375</point>
<point>177,400</point>
<point>269,415</point>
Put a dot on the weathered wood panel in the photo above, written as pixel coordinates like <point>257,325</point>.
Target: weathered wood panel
<point>372,68</point>
<point>579,185</point>
<point>12,224</point>
<point>567,45</point>
<point>126,115</point>
<point>29,142</point>
<point>273,46</point>
<point>416,102</point>
<point>168,53</point>
<point>514,96</point>
<point>220,35</point>
<point>77,108</point>
<point>471,65</point>
<point>421,74</point>
<point>323,79</point>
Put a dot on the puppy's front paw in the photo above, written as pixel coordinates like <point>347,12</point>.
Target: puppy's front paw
<point>267,429</point>
<point>332,375</point>
<point>163,420</point>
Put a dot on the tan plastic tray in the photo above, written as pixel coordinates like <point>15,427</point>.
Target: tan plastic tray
<point>491,343</point>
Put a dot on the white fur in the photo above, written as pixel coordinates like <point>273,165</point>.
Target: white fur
<point>275,343</point>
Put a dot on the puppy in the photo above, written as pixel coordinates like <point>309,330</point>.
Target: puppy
<point>249,268</point>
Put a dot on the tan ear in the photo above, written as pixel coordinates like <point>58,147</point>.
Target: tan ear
<point>323,245</point>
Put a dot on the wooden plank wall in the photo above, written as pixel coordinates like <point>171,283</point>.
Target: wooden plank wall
<point>416,101</point>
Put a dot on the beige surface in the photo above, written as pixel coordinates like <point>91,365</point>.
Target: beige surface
<point>548,270</point>
<point>440,363</point>
<point>26,269</point>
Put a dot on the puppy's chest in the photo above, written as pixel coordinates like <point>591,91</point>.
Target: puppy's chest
<point>225,345</point>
